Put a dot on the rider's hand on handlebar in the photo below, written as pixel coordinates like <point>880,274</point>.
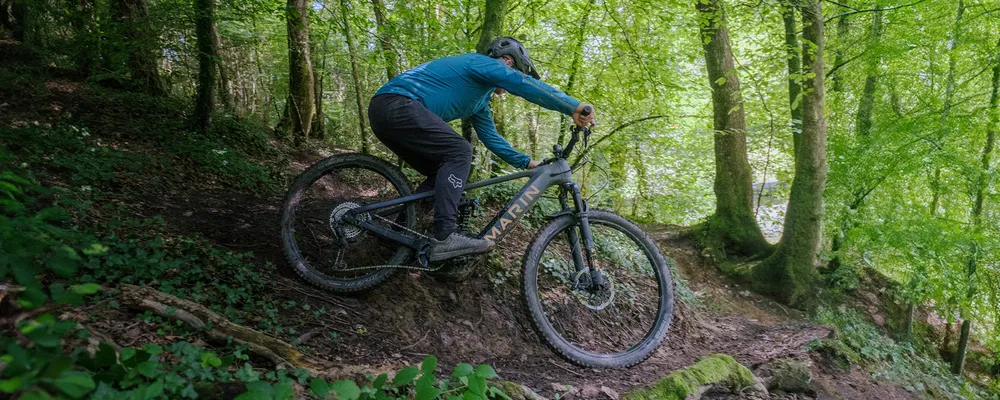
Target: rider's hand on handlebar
<point>581,120</point>
<point>533,164</point>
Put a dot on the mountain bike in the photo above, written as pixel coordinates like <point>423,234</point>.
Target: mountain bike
<point>597,288</point>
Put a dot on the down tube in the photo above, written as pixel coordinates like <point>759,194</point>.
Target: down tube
<point>529,194</point>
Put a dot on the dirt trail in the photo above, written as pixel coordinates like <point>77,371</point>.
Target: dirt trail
<point>478,321</point>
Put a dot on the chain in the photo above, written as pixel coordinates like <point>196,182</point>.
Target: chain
<point>340,253</point>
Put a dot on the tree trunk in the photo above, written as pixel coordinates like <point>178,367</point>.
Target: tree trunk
<point>733,225</point>
<point>908,323</point>
<point>867,103</point>
<point>794,69</point>
<point>355,74</point>
<point>977,213</point>
<point>574,66</point>
<point>16,21</point>
<point>863,126</point>
<point>533,131</point>
<point>491,29</point>
<point>225,84</point>
<point>790,272</point>
<point>297,119</point>
<point>142,59</point>
<point>205,30</point>
<point>383,31</point>
<point>843,28</point>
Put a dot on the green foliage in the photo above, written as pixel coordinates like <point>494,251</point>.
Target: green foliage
<point>859,342</point>
<point>38,243</point>
<point>420,383</point>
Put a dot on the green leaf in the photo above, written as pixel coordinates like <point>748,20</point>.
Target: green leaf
<point>152,349</point>
<point>477,385</point>
<point>105,355</point>
<point>485,371</point>
<point>319,387</point>
<point>283,390</point>
<point>461,370</point>
<point>148,368</point>
<point>380,381</point>
<point>154,390</point>
<point>346,390</point>
<point>209,358</point>
<point>74,384</point>
<point>11,385</point>
<point>86,288</point>
<point>721,81</point>
<point>128,353</point>
<point>426,389</point>
<point>497,392</point>
<point>429,365</point>
<point>405,376</point>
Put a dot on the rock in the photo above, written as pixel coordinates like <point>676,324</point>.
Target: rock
<point>611,393</point>
<point>716,372</point>
<point>517,391</point>
<point>590,392</point>
<point>790,375</point>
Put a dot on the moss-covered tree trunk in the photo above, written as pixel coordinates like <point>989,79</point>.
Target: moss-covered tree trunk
<point>533,130</point>
<point>355,74</point>
<point>205,31</point>
<point>492,28</point>
<point>794,62</point>
<point>225,83</point>
<point>142,45</point>
<point>790,271</point>
<point>733,225</point>
<point>296,121</point>
<point>384,32</point>
<point>982,182</point>
<point>843,30</point>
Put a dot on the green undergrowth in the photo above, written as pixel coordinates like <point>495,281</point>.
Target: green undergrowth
<point>56,263</point>
<point>917,369</point>
<point>97,153</point>
<point>711,370</point>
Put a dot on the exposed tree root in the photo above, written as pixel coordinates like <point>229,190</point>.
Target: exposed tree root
<point>219,328</point>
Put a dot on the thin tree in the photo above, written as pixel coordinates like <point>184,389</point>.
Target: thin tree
<point>296,121</point>
<point>790,271</point>
<point>205,30</point>
<point>733,225</point>
<point>492,28</point>
<point>574,66</point>
<point>142,59</point>
<point>355,73</point>
<point>385,43</point>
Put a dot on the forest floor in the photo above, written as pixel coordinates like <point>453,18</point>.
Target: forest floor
<point>480,320</point>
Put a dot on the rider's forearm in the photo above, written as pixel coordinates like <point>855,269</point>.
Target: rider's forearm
<point>482,122</point>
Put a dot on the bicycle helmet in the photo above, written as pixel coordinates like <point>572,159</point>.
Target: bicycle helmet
<point>506,45</point>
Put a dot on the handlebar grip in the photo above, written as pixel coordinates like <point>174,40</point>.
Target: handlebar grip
<point>587,110</point>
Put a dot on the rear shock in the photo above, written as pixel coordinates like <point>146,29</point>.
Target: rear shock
<point>467,208</point>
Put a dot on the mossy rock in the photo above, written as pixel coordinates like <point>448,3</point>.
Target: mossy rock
<point>791,376</point>
<point>716,369</point>
<point>517,391</point>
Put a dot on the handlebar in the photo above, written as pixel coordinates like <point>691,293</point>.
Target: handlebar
<point>560,152</point>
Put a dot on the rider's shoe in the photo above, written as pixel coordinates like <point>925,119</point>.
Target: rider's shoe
<point>456,245</point>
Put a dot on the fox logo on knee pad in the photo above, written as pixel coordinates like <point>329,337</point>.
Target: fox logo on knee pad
<point>455,181</point>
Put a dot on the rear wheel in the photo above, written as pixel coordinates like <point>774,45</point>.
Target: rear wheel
<point>616,325</point>
<point>321,246</point>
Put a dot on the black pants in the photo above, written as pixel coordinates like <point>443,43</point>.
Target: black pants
<point>430,146</point>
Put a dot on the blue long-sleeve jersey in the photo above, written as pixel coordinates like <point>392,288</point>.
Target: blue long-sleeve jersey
<point>460,87</point>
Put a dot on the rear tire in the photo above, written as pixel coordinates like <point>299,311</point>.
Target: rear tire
<point>309,270</point>
<point>556,299</point>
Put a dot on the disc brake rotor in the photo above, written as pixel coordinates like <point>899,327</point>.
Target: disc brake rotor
<point>594,299</point>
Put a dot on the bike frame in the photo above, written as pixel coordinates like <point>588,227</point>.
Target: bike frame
<point>554,173</point>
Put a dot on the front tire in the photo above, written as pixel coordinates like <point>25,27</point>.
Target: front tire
<point>638,273</point>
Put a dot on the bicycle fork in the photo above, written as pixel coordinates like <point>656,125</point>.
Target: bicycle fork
<point>583,258</point>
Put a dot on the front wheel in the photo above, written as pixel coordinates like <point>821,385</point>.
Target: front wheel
<point>614,325</point>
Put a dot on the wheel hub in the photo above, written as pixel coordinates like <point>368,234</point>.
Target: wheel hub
<point>594,297</point>
<point>346,230</point>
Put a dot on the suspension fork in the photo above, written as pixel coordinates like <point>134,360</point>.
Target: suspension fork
<point>580,211</point>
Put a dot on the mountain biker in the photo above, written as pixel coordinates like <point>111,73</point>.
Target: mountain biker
<point>409,115</point>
